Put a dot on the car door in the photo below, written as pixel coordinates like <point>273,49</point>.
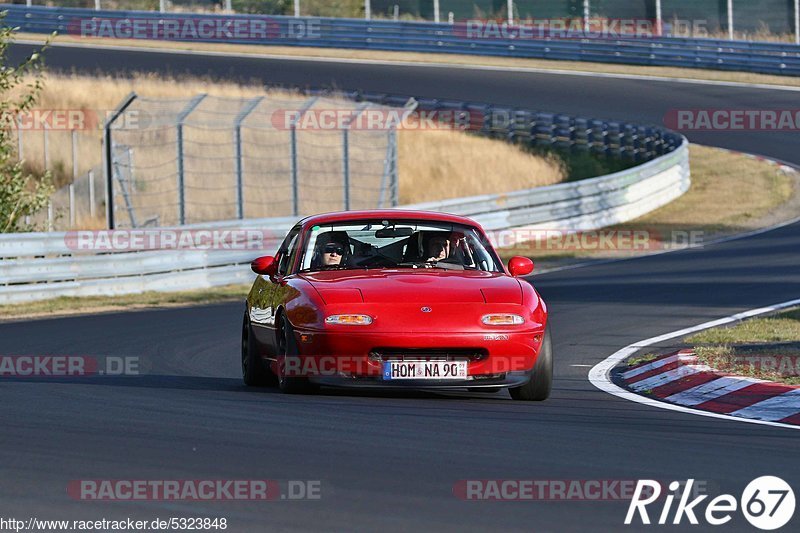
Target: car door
<point>269,293</point>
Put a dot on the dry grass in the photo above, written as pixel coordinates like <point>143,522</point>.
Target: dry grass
<point>454,59</point>
<point>433,165</point>
<point>730,193</point>
<point>430,160</point>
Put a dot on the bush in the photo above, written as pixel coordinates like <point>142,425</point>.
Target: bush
<point>21,193</point>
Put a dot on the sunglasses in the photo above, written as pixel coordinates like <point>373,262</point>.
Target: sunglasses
<point>333,249</point>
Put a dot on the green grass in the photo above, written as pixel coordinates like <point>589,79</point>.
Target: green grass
<point>744,349</point>
<point>646,358</point>
<point>783,327</point>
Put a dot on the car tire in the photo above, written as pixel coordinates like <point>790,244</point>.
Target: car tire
<point>541,382</point>
<point>254,372</point>
<point>287,348</point>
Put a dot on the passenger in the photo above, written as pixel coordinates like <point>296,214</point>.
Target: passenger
<point>438,248</point>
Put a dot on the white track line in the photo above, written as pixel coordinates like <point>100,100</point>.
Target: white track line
<point>429,64</point>
<point>600,375</point>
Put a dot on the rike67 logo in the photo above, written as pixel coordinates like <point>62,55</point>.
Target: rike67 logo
<point>767,503</point>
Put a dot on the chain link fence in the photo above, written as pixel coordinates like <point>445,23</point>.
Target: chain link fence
<point>207,158</point>
<point>756,19</point>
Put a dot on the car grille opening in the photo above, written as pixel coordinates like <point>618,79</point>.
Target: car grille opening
<point>428,354</point>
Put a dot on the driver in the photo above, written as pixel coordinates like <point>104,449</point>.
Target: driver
<point>331,250</point>
<point>332,254</point>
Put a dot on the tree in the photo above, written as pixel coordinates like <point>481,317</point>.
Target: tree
<point>21,193</point>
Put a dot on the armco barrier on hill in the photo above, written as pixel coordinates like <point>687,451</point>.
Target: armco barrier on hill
<point>766,58</point>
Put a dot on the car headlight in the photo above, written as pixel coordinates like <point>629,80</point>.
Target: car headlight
<point>502,319</point>
<point>349,320</point>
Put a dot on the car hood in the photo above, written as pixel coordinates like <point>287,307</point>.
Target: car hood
<point>415,286</point>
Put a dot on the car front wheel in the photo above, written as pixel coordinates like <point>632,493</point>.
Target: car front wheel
<point>538,388</point>
<point>287,351</point>
<point>254,371</point>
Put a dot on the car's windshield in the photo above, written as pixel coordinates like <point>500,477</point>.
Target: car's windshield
<point>396,244</point>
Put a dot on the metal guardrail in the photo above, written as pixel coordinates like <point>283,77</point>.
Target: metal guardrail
<point>44,265</point>
<point>765,58</point>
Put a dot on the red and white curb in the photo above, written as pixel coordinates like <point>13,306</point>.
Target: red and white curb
<point>678,378</point>
<point>692,398</point>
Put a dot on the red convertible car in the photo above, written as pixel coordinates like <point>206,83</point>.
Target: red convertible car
<point>393,298</point>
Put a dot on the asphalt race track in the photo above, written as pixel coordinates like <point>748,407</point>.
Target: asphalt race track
<point>390,461</point>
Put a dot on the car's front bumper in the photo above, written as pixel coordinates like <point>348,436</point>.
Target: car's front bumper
<point>353,358</point>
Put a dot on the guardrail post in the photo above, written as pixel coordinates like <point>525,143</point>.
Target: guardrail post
<point>293,155</point>
<point>510,7</point>
<point>367,9</point>
<point>193,103</point>
<point>346,155</point>
<point>97,5</point>
<point>293,162</point>
<point>108,157</point>
<point>71,205</point>
<point>659,19</point>
<point>730,19</point>
<point>797,21</point>
<point>436,11</point>
<point>296,8</point>
<point>390,173</point>
<point>393,175</point>
<point>587,12</point>
<point>74,155</point>
<point>162,5</point>
<point>237,143</point>
<point>92,208</point>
